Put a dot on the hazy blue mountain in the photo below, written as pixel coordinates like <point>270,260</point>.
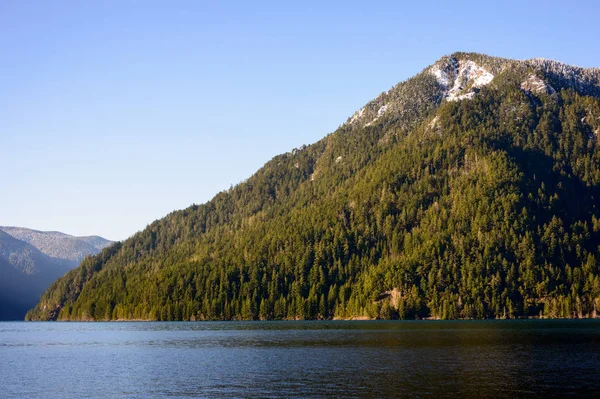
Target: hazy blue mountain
<point>31,260</point>
<point>59,245</point>
<point>24,274</point>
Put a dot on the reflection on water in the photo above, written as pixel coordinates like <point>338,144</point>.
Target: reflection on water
<point>302,359</point>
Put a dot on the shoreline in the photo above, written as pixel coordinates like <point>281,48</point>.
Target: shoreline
<point>352,319</point>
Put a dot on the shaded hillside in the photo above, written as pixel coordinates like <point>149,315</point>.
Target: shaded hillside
<point>31,260</point>
<point>467,191</point>
<point>25,273</point>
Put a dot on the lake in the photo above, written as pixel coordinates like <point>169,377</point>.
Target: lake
<point>300,359</point>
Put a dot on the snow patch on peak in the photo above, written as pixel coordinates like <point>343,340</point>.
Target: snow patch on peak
<point>380,113</point>
<point>357,115</point>
<point>535,84</point>
<point>440,75</point>
<point>484,78</point>
<point>459,78</point>
<point>444,72</point>
<point>469,75</point>
<point>382,110</point>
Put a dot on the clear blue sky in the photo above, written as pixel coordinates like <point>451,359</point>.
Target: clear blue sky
<point>114,113</point>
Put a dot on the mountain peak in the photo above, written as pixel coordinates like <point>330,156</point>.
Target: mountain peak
<point>460,76</point>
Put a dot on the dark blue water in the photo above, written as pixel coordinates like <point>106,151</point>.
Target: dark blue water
<point>300,359</point>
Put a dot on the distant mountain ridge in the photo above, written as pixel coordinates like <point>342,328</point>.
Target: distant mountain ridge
<point>31,260</point>
<point>59,245</point>
<point>26,258</point>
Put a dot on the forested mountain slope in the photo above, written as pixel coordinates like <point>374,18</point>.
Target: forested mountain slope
<point>467,191</point>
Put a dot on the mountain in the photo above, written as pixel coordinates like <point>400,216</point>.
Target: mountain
<point>60,245</point>
<point>31,260</point>
<point>466,191</point>
<point>25,273</point>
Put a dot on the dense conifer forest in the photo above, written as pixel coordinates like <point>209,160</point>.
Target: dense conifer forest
<point>419,206</point>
